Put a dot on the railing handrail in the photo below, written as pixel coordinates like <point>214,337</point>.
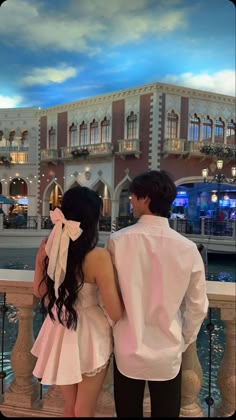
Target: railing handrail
<point>9,279</point>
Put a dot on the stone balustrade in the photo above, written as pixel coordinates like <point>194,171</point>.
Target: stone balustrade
<point>22,395</point>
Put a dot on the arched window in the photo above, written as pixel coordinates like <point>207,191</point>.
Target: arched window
<point>105,131</point>
<point>132,126</point>
<point>18,188</point>
<point>94,138</point>
<point>207,125</point>
<point>219,131</point>
<point>11,136</point>
<point>73,136</point>
<point>230,133</point>
<point>194,128</point>
<point>172,125</point>
<point>52,138</point>
<point>83,134</point>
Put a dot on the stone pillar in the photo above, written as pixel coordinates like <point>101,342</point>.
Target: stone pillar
<point>106,405</point>
<point>25,388</point>
<point>53,400</point>
<point>227,372</point>
<point>191,383</point>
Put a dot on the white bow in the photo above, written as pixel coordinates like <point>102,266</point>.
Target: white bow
<point>57,246</point>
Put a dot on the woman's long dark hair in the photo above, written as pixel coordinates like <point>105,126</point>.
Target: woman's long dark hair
<point>82,205</point>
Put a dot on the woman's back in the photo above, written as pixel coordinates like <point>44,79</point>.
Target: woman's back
<point>98,269</point>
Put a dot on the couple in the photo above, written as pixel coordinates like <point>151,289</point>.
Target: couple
<point>137,285</point>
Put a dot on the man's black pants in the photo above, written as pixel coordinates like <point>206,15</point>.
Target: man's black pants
<point>129,393</point>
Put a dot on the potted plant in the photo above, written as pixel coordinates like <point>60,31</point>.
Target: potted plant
<point>80,152</point>
<point>5,160</point>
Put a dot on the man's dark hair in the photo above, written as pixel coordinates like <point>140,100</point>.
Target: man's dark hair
<point>159,187</point>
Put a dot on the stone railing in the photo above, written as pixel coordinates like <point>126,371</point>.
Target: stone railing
<point>22,395</point>
<point>92,150</point>
<point>128,147</point>
<point>174,146</point>
<point>49,154</point>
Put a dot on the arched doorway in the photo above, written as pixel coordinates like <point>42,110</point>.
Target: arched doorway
<point>55,196</point>
<point>18,191</point>
<point>103,191</point>
<point>125,209</point>
<point>52,198</point>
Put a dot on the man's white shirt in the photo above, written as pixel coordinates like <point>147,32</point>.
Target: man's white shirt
<point>159,271</point>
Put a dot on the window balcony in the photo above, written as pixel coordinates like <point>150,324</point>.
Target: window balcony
<point>129,147</point>
<point>10,149</point>
<point>174,146</point>
<point>19,158</point>
<point>194,147</point>
<point>101,149</point>
<point>91,150</point>
<point>49,155</point>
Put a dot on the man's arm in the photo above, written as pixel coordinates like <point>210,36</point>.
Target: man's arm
<point>195,302</point>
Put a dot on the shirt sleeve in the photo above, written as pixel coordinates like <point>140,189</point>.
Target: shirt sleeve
<point>195,305</point>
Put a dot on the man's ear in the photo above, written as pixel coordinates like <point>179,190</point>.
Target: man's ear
<point>147,200</point>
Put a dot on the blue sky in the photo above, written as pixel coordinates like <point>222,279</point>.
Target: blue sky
<point>58,51</point>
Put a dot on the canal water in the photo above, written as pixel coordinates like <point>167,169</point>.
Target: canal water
<point>220,267</point>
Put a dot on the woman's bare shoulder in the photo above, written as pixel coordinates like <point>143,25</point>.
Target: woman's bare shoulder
<point>98,253</point>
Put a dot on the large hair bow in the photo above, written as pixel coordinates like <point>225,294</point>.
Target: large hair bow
<point>57,246</point>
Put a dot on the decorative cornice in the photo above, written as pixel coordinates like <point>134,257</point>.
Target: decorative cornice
<point>139,90</point>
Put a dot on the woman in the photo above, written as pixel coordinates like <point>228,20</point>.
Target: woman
<point>74,344</point>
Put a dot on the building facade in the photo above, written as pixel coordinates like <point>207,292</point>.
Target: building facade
<point>104,141</point>
<point>19,157</point>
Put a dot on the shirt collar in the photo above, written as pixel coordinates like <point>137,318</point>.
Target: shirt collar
<point>149,219</point>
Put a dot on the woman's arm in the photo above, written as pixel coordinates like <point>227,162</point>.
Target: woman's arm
<point>105,279</point>
<point>40,289</point>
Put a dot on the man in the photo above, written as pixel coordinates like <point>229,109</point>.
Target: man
<point>158,271</point>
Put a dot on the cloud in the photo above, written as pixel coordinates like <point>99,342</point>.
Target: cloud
<point>44,76</point>
<point>80,24</point>
<point>220,82</point>
<point>10,101</point>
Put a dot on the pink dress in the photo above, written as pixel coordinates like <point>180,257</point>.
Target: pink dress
<point>63,354</point>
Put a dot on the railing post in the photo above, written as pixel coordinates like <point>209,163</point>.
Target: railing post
<point>191,383</point>
<point>1,221</point>
<point>175,224</point>
<point>24,389</point>
<point>227,373</point>
<point>233,228</point>
<point>202,226</point>
<point>38,222</point>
